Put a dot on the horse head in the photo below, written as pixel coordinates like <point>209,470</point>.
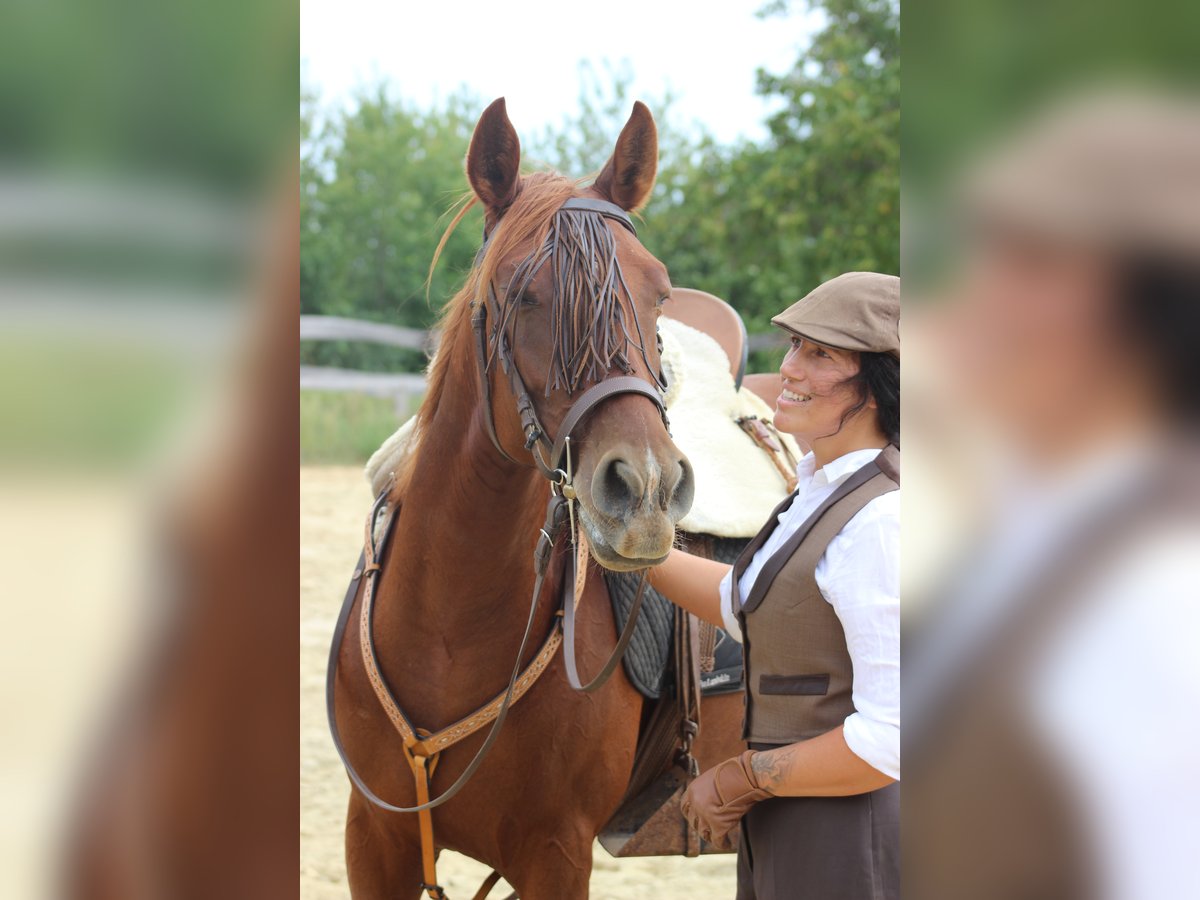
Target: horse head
<point>566,298</point>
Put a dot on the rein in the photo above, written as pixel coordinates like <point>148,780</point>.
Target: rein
<point>553,460</point>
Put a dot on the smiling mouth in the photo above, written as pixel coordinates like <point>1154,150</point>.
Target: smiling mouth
<point>794,397</point>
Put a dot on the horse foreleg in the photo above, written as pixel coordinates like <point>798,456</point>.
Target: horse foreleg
<point>383,862</point>
<point>554,867</point>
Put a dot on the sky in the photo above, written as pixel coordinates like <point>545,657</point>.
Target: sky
<point>529,53</point>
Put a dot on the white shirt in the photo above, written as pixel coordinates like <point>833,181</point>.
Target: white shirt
<point>859,575</point>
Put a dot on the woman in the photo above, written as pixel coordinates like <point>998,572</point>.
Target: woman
<point>814,598</point>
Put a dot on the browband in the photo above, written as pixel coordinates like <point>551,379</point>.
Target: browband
<point>577,204</point>
<point>606,209</point>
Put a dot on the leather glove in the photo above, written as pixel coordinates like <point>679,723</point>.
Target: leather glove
<point>716,801</point>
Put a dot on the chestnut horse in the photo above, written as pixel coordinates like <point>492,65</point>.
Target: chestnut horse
<point>452,599</point>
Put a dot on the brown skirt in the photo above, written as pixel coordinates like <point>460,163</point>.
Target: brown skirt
<point>822,848</point>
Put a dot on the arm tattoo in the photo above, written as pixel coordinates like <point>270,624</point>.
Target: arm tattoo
<point>768,769</point>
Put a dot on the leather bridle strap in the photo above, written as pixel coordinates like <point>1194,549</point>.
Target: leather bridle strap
<point>479,326</point>
<point>593,397</point>
<point>603,207</point>
<point>570,601</point>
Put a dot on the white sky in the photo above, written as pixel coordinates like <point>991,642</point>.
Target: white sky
<point>426,49</point>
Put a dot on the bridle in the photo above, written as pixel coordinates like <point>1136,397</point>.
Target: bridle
<point>536,435</point>
<point>558,467</point>
<point>553,459</point>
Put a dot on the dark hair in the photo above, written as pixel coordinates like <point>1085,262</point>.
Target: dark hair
<point>878,377</point>
<point>1158,303</point>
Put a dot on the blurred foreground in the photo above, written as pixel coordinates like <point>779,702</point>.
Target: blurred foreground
<point>1052,530</point>
<point>148,289</point>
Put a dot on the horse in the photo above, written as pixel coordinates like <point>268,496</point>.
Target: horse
<point>455,582</point>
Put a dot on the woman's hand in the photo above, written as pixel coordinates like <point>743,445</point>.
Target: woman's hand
<point>716,801</point>
<point>822,767</point>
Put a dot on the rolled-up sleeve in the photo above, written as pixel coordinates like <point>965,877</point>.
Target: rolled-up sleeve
<point>860,577</point>
<point>728,615</point>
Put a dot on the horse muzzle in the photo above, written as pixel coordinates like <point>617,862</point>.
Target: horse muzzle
<point>632,503</point>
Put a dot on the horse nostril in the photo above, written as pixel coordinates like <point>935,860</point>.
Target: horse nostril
<point>619,488</point>
<point>679,489</point>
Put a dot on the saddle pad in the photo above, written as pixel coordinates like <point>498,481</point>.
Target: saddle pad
<point>648,656</point>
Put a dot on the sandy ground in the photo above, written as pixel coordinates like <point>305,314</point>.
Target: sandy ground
<point>333,503</point>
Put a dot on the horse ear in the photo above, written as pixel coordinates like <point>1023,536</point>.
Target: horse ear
<point>494,159</point>
<point>628,176</point>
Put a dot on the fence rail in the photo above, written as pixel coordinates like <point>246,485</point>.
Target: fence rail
<point>336,328</point>
<point>402,387</point>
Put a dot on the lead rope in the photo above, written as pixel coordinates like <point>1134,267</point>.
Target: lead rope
<point>576,576</point>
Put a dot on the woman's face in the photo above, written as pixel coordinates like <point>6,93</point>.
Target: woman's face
<point>815,397</point>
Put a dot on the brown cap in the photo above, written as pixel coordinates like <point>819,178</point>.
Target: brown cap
<point>856,311</point>
<point>1112,171</point>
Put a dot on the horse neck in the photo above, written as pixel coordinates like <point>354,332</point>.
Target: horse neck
<point>461,557</point>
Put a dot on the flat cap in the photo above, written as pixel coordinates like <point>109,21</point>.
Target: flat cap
<point>856,311</point>
<point>1113,171</point>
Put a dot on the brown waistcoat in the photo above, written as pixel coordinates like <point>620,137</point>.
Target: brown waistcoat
<point>798,673</point>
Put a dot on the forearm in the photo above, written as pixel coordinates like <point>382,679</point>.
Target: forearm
<point>822,767</point>
<point>692,582</point>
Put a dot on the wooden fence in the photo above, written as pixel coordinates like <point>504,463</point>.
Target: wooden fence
<point>402,387</point>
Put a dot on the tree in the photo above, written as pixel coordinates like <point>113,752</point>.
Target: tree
<point>758,224</point>
<point>761,225</point>
<point>377,181</point>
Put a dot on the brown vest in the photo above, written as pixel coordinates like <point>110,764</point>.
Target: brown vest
<point>798,673</point>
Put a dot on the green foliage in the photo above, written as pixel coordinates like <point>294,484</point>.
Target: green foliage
<point>759,224</point>
<point>131,402</point>
<point>195,93</point>
<point>377,181</point>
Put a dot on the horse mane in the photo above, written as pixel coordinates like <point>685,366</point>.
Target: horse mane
<point>528,219</point>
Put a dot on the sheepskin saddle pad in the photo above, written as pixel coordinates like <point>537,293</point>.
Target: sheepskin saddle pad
<point>648,661</point>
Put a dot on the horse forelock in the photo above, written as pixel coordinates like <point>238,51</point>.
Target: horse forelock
<point>589,320</point>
